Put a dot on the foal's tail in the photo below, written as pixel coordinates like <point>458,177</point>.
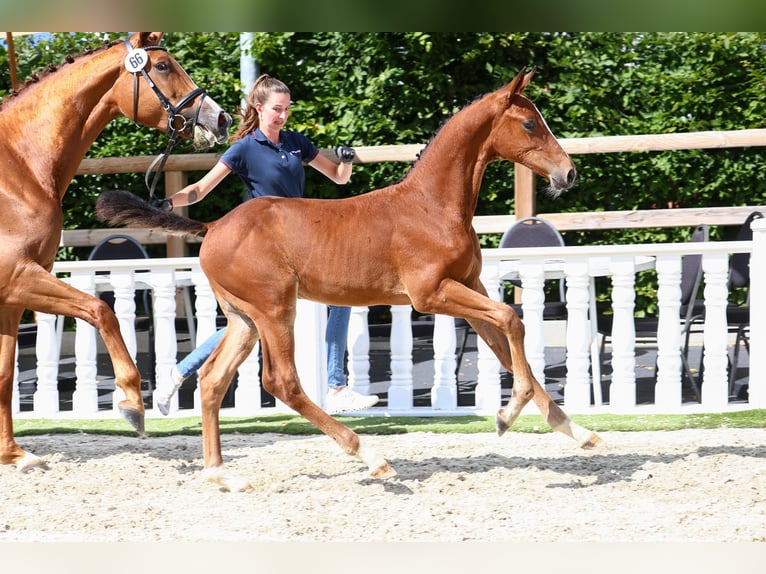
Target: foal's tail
<point>124,208</point>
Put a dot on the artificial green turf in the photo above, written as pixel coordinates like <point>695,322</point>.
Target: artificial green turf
<point>296,425</point>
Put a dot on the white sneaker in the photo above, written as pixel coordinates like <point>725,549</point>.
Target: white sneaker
<point>165,391</point>
<point>346,400</point>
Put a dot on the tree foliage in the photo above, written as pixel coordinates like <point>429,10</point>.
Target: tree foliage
<point>399,88</point>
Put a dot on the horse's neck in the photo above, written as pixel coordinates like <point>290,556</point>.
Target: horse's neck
<point>452,166</point>
<point>62,117</point>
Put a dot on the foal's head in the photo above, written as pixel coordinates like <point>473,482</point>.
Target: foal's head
<point>521,135</point>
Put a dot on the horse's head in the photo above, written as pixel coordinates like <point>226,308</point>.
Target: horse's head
<point>153,90</point>
<point>521,135</point>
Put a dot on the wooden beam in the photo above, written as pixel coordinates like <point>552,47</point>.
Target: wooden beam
<point>596,220</point>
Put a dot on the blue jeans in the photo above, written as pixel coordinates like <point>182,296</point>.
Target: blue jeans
<point>335,336</point>
<point>335,343</point>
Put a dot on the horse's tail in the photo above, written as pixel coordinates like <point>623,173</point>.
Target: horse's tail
<point>124,208</point>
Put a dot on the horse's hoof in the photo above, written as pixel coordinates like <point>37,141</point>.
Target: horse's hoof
<point>383,471</point>
<point>591,442</point>
<point>227,483</point>
<point>500,425</point>
<point>135,418</point>
<point>30,461</point>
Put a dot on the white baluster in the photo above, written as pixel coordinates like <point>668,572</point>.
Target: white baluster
<point>400,390</point>
<point>15,394</point>
<point>206,308</point>
<point>622,391</point>
<point>47,351</point>
<point>164,311</point>
<point>488,391</point>
<point>247,396</point>
<point>715,387</point>
<point>577,390</point>
<point>444,391</point>
<point>667,391</point>
<point>757,354</point>
<point>124,286</point>
<point>85,397</point>
<point>533,302</point>
<point>311,356</point>
<point>358,344</point>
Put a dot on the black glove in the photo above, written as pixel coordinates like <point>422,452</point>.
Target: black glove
<point>345,154</point>
<point>164,204</point>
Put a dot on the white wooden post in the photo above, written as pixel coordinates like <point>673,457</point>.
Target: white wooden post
<point>123,284</point>
<point>578,335</point>
<point>715,385</point>
<point>488,392</point>
<point>757,355</point>
<point>444,391</point>
<point>358,344</point>
<point>85,397</point>
<point>47,351</point>
<point>532,276</point>
<point>667,391</point>
<point>164,312</point>
<point>622,391</point>
<point>400,390</point>
<point>310,351</point>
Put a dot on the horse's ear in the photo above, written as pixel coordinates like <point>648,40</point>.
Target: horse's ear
<point>520,82</point>
<point>148,39</point>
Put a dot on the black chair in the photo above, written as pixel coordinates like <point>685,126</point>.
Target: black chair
<point>692,307</point>
<point>120,246</point>
<point>527,232</point>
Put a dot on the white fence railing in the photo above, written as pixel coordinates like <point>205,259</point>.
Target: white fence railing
<point>38,394</point>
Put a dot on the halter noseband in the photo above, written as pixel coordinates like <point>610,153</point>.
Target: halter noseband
<point>174,127</point>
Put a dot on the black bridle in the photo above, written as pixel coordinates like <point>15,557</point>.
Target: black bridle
<point>177,124</point>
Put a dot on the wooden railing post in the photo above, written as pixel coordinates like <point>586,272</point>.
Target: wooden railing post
<point>524,201</point>
<point>175,181</point>
<point>524,191</point>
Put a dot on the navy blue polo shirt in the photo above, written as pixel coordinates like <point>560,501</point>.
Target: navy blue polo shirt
<point>267,169</point>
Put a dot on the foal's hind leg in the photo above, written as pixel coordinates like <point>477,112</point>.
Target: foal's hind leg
<point>280,378</point>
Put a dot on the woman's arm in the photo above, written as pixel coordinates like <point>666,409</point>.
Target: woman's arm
<point>194,192</point>
<point>340,173</point>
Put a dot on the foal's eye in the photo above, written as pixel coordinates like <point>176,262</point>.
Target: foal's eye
<point>530,125</point>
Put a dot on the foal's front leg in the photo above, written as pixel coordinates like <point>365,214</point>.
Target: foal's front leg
<point>526,386</point>
<point>500,327</point>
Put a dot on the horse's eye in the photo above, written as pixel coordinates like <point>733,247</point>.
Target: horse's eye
<point>530,125</point>
<point>162,66</point>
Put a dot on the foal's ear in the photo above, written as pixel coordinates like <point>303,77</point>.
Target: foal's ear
<point>520,82</point>
<point>148,39</point>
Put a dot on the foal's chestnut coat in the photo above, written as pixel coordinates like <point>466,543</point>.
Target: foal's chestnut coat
<point>410,243</point>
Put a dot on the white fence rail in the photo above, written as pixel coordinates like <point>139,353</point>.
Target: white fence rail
<point>38,395</point>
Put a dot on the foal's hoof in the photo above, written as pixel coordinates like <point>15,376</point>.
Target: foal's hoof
<point>227,483</point>
<point>384,471</point>
<point>591,442</point>
<point>30,461</point>
<point>135,418</point>
<point>500,425</point>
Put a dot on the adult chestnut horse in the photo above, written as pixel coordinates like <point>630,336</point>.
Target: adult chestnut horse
<point>410,243</point>
<point>45,130</point>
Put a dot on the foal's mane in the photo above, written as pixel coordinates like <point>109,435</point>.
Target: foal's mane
<point>36,77</point>
<point>428,146</point>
